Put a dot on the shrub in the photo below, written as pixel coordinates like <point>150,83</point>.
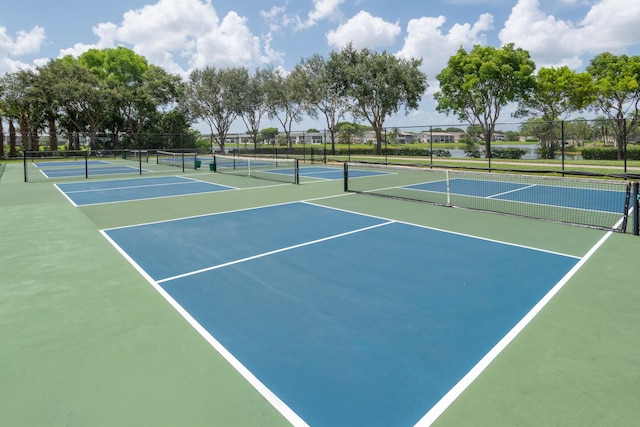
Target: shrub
<point>508,153</point>
<point>476,154</point>
<point>600,153</point>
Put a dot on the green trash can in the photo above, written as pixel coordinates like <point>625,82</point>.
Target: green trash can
<point>124,155</point>
<point>212,167</point>
<point>198,164</point>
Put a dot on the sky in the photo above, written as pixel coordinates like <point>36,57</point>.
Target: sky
<point>183,35</point>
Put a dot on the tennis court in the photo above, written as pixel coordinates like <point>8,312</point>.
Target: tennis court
<point>110,191</point>
<point>332,173</point>
<point>594,203</point>
<point>579,198</point>
<point>57,171</point>
<point>243,302</point>
<point>258,294</point>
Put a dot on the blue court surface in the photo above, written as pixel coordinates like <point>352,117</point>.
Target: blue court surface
<point>69,163</point>
<point>578,198</point>
<point>79,170</point>
<point>345,319</point>
<point>96,192</point>
<point>329,173</point>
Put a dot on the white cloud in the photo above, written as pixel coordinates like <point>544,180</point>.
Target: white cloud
<point>364,30</point>
<point>25,43</point>
<point>179,35</point>
<point>107,36</point>
<point>231,43</point>
<point>544,36</point>
<point>425,39</point>
<point>323,10</point>
<point>276,17</point>
<point>610,25</point>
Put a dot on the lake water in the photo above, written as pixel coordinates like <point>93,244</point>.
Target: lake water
<point>531,152</point>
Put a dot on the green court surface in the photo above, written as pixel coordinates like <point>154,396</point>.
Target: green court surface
<point>86,340</point>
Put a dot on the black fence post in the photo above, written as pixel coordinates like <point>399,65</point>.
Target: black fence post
<point>562,142</point>
<point>431,146</point>
<point>636,214</point>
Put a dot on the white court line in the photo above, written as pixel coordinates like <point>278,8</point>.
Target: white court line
<point>158,197</point>
<point>445,401</point>
<point>512,191</point>
<point>471,236</point>
<point>203,215</point>
<point>65,195</point>
<point>127,187</point>
<point>439,408</point>
<point>288,248</point>
<point>270,396</point>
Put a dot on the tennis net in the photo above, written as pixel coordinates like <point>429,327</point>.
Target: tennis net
<point>596,203</point>
<point>184,160</point>
<point>282,170</point>
<point>136,155</point>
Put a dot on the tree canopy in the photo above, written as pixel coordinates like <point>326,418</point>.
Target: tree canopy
<point>477,85</point>
<point>117,91</point>
<point>378,84</point>
<point>616,81</point>
<point>557,93</point>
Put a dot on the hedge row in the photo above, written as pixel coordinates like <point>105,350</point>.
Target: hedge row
<point>363,150</point>
<point>609,153</point>
<point>507,153</point>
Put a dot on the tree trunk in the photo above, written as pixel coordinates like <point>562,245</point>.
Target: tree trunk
<point>378,131</point>
<point>487,144</point>
<point>12,139</point>
<point>53,134</point>
<point>24,134</point>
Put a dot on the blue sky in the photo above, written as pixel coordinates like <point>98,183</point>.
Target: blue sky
<point>181,35</point>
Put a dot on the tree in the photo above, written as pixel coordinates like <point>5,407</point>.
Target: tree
<point>213,95</point>
<point>23,104</point>
<point>534,127</point>
<point>324,94</point>
<point>120,72</point>
<point>287,99</point>
<point>45,84</point>
<point>84,101</point>
<point>346,133</point>
<point>578,131</point>
<point>155,90</point>
<point>616,81</point>
<point>253,104</point>
<point>476,85</point>
<point>378,84</point>
<point>511,135</point>
<point>557,93</point>
<point>8,110</point>
<point>133,91</point>
<point>269,134</point>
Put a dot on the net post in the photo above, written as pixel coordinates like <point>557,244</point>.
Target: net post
<point>214,164</point>
<point>296,171</point>
<point>86,164</point>
<point>636,214</point>
<point>140,160</point>
<point>183,162</point>
<point>345,169</point>
<point>446,172</point>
